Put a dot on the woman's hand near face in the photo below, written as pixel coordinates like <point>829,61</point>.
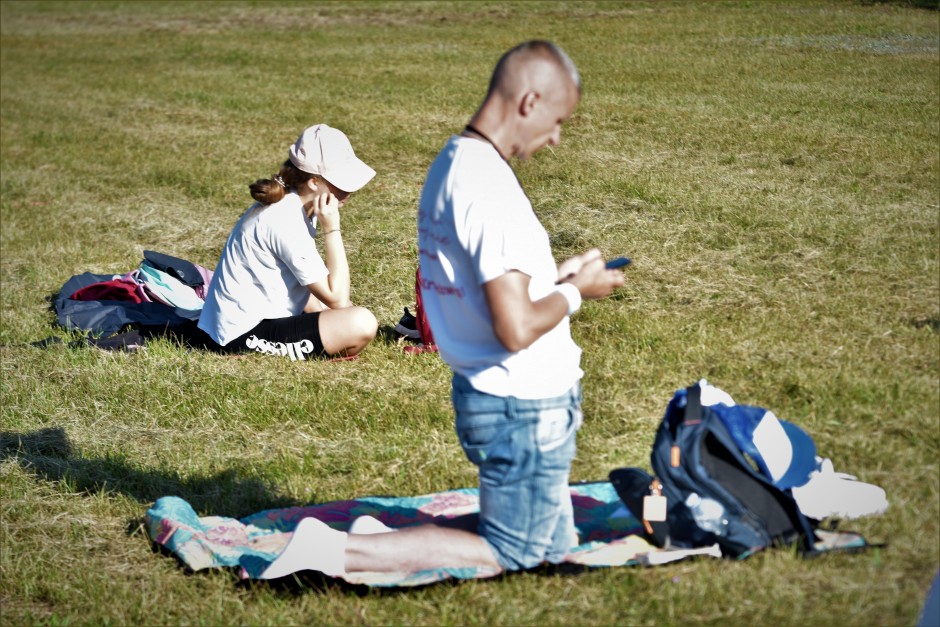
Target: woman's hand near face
<point>326,209</point>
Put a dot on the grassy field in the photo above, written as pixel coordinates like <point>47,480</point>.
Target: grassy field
<point>771,167</point>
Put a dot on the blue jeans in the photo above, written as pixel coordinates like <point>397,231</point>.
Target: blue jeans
<point>523,449</point>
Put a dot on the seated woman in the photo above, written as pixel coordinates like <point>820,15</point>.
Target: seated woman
<point>271,291</point>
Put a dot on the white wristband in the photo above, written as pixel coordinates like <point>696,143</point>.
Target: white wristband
<point>571,294</point>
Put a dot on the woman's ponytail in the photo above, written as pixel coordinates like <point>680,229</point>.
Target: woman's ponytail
<point>268,191</point>
<point>272,190</point>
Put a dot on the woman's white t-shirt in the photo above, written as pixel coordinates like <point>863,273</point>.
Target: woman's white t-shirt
<point>268,261</point>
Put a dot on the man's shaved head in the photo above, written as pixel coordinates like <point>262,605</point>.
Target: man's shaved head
<point>534,89</point>
<point>533,64</point>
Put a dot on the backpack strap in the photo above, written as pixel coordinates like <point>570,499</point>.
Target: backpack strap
<point>693,409</point>
<point>693,403</point>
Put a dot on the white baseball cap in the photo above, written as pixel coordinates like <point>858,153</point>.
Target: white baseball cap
<point>326,151</point>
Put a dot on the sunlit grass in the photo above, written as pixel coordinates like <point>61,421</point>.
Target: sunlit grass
<point>771,168</point>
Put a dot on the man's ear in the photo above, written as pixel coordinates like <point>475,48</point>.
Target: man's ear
<point>527,102</point>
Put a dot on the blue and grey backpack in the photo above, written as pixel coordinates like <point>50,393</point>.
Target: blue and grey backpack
<point>725,472</point>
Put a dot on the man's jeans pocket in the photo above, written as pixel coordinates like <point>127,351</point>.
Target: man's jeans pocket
<point>501,448</point>
<point>555,426</point>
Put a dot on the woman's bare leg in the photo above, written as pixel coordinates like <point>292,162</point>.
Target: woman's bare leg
<point>347,331</point>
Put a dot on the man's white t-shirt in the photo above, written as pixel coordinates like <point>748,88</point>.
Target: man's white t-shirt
<point>475,224</point>
<point>267,263</point>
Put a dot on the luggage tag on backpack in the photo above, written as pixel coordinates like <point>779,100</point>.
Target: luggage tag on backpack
<point>654,504</point>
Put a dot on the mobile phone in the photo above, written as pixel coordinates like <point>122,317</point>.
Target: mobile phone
<point>619,262</point>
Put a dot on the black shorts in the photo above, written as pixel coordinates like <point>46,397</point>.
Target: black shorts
<point>296,338</point>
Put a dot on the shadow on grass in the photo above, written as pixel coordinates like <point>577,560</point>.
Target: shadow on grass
<point>388,335</point>
<point>308,581</point>
<point>49,455</point>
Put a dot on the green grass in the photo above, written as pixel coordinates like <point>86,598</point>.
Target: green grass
<point>771,167</point>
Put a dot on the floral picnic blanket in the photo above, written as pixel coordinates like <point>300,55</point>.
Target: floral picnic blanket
<point>610,535</point>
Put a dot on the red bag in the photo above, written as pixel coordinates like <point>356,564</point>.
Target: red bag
<point>421,323</point>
